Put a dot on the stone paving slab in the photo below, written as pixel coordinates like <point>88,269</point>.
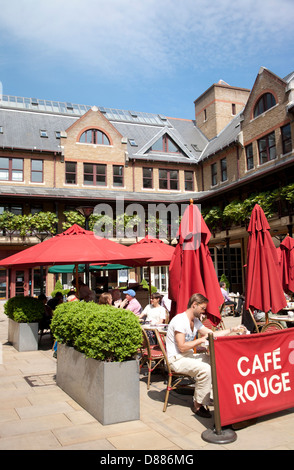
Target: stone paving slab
<point>35,414</point>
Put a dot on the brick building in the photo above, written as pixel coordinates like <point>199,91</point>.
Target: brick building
<point>60,156</point>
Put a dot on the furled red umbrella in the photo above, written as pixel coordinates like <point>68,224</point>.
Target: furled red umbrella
<point>264,289</point>
<point>191,269</point>
<point>157,252</point>
<point>75,245</point>
<point>286,251</point>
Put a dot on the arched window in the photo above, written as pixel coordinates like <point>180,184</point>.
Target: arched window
<point>264,103</point>
<point>94,136</point>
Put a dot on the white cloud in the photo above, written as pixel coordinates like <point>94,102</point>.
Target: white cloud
<point>145,37</point>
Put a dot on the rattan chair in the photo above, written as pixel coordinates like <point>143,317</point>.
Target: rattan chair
<point>258,325</point>
<point>152,355</point>
<point>271,326</point>
<point>175,380</point>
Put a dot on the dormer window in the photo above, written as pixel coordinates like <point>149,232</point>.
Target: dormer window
<point>164,144</point>
<point>94,136</point>
<point>265,102</point>
<point>43,133</point>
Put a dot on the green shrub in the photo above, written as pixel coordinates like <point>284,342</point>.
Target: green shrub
<point>24,309</point>
<point>101,332</point>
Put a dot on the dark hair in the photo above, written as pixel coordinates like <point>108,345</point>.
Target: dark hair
<point>42,297</point>
<point>156,295</point>
<point>198,298</point>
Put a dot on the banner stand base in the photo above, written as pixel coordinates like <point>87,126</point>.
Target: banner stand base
<point>224,437</point>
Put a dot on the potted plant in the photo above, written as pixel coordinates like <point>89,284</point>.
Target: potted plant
<point>96,359</point>
<point>24,314</point>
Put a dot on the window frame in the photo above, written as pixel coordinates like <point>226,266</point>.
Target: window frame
<point>262,104</point>
<point>286,139</point>
<point>224,169</point>
<point>148,178</point>
<point>95,173</point>
<point>92,134</point>
<point>165,140</point>
<point>68,173</point>
<point>119,183</point>
<point>168,179</point>
<point>249,156</point>
<point>10,169</point>
<point>267,149</point>
<point>35,172</point>
<point>213,169</point>
<point>187,181</point>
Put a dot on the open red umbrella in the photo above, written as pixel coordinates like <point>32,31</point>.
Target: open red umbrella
<point>191,269</point>
<point>75,245</point>
<point>286,251</point>
<point>157,252</point>
<point>264,289</point>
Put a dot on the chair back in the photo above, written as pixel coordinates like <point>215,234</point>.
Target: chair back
<point>146,343</point>
<point>271,326</point>
<point>161,344</point>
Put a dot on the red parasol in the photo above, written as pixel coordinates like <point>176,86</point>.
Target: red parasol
<point>286,252</point>
<point>158,253</point>
<point>264,289</point>
<point>191,269</point>
<point>75,245</point>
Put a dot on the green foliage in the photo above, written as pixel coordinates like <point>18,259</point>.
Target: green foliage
<point>24,309</point>
<point>226,280</point>
<point>101,332</point>
<point>234,212</point>
<point>59,288</point>
<point>41,224</point>
<point>145,285</point>
<point>287,193</point>
<point>213,217</point>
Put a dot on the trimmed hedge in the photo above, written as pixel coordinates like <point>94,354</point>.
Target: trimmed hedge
<point>24,309</point>
<point>101,332</point>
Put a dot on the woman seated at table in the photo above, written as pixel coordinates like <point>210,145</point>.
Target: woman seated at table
<point>154,312</point>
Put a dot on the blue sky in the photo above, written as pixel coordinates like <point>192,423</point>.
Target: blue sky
<point>143,55</point>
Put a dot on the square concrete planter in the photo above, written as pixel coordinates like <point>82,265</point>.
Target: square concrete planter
<point>109,391</point>
<point>23,336</point>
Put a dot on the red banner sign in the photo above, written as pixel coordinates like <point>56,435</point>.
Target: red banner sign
<point>255,374</point>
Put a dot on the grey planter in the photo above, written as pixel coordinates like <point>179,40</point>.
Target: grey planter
<point>23,336</point>
<point>109,391</point>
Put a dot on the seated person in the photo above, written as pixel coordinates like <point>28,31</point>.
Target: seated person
<point>56,300</point>
<point>226,297</point>
<point>154,312</point>
<point>71,296</point>
<point>85,293</point>
<point>131,303</point>
<point>47,315</point>
<point>105,298</point>
<point>116,297</point>
<point>181,339</point>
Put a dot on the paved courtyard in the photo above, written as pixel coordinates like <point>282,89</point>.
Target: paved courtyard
<point>36,414</point>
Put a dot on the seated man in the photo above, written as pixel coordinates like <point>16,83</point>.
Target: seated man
<point>227,299</point>
<point>56,300</point>
<point>130,303</point>
<point>180,342</point>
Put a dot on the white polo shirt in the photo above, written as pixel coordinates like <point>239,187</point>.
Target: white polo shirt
<point>181,324</point>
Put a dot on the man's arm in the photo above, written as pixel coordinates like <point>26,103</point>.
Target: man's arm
<point>184,346</point>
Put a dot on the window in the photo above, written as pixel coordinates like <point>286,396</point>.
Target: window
<point>165,144</point>
<point>205,115</point>
<point>168,179</point>
<point>94,136</point>
<point>233,109</point>
<point>213,174</point>
<point>16,210</point>
<point>94,175</point>
<point>267,148</point>
<point>189,181</point>
<point>37,171</point>
<point>1,129</point>
<point>147,178</point>
<point>11,169</point>
<point>43,133</point>
<point>264,103</point>
<point>118,175</point>
<point>223,164</point>
<point>70,173</point>
<point>249,157</point>
<point>286,139</point>
<point>133,143</point>
<point>57,134</point>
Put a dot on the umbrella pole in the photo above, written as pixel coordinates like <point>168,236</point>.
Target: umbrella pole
<point>149,274</point>
<point>77,280</point>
